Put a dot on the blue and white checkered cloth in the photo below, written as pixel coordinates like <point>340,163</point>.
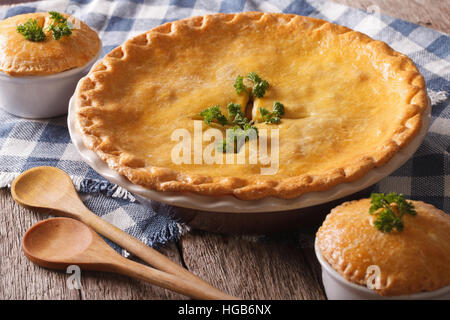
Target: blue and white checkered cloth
<point>29,143</point>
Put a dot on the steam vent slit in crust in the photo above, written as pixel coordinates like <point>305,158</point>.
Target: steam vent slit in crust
<point>350,102</point>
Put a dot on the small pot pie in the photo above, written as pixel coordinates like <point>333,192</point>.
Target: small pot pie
<point>350,102</point>
<point>414,260</point>
<point>22,57</point>
<point>42,58</point>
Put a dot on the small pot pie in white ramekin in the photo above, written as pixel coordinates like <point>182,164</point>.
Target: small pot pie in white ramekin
<point>410,264</point>
<point>37,78</point>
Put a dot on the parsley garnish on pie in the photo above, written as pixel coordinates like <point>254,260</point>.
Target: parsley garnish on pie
<point>236,137</point>
<point>234,109</point>
<point>60,27</point>
<point>275,115</point>
<point>31,31</point>
<point>390,209</point>
<point>259,85</point>
<point>213,113</point>
<point>241,132</point>
<point>235,114</point>
<point>244,129</point>
<point>239,85</point>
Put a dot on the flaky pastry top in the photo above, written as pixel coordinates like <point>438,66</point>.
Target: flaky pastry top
<point>21,57</point>
<point>351,102</point>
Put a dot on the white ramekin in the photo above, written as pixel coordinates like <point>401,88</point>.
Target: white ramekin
<point>339,288</point>
<point>41,96</point>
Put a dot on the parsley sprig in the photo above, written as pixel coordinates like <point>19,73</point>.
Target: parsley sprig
<point>236,115</point>
<point>236,137</point>
<point>390,209</point>
<point>239,85</point>
<point>259,85</point>
<point>60,27</point>
<point>31,31</point>
<point>213,113</point>
<point>259,89</point>
<point>242,131</point>
<point>274,116</point>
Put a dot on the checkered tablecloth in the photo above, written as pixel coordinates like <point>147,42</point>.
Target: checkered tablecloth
<point>29,143</point>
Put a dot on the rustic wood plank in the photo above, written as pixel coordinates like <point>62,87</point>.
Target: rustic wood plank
<point>428,13</point>
<point>276,267</point>
<point>19,278</point>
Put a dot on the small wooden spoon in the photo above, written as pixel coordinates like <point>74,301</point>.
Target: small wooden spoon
<point>57,243</point>
<point>51,188</point>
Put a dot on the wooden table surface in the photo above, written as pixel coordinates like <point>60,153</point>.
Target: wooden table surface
<point>277,267</point>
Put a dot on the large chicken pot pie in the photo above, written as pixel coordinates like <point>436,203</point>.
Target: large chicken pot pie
<point>350,102</point>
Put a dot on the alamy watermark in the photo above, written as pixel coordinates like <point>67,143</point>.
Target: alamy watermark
<point>190,149</point>
<point>74,280</point>
<point>373,274</point>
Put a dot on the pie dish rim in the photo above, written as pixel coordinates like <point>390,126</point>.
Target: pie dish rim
<point>245,189</point>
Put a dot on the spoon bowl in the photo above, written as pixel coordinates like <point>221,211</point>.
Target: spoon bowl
<point>57,243</point>
<point>45,187</point>
<point>54,241</point>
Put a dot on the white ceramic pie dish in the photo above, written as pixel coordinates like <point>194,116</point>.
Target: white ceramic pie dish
<point>230,204</point>
<point>41,96</point>
<point>339,288</point>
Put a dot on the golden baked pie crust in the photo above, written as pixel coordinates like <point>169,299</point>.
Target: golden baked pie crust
<point>414,260</point>
<point>21,57</point>
<point>99,116</point>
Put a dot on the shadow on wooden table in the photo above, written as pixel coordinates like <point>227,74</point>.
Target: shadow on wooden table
<point>261,223</point>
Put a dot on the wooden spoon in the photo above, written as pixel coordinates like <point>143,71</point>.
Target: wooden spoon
<point>57,243</point>
<point>51,188</point>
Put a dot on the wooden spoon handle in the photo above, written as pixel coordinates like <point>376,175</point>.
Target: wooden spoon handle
<point>164,280</point>
<point>146,253</point>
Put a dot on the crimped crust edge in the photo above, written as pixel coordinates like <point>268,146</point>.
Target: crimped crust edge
<point>163,179</point>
